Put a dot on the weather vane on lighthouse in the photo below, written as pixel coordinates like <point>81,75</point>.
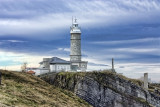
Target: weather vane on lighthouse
<point>75,20</point>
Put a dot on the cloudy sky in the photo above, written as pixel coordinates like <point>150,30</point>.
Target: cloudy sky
<point>126,30</point>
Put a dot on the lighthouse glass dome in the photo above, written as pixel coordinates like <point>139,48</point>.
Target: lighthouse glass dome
<point>75,28</point>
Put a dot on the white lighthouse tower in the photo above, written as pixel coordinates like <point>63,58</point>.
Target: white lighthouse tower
<point>75,48</point>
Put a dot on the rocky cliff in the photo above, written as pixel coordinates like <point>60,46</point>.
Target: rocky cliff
<point>105,89</point>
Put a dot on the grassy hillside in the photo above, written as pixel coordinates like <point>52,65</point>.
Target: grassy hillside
<point>24,90</point>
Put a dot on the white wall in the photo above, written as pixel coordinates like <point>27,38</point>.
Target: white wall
<point>63,67</point>
<point>52,68</point>
<point>41,71</point>
<point>59,67</point>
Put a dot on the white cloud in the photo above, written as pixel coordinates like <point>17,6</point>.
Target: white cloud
<point>67,49</point>
<point>64,49</point>
<point>132,70</point>
<point>136,70</point>
<point>127,41</point>
<point>151,51</point>
<point>32,60</point>
<point>60,49</point>
<point>13,41</point>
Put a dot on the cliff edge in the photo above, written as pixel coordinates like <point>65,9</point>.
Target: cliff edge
<point>105,89</point>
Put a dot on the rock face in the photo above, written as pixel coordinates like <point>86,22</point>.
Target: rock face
<point>105,89</point>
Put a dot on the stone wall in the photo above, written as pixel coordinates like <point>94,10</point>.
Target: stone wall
<point>101,90</point>
<point>75,54</point>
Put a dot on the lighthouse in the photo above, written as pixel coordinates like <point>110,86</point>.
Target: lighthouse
<point>75,48</point>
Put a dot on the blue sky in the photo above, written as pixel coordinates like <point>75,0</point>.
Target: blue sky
<point>127,30</point>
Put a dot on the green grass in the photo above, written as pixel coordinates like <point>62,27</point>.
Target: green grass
<point>24,90</point>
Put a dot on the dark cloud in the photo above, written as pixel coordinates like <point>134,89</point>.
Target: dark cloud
<point>125,30</point>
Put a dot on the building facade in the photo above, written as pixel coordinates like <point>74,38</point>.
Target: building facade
<point>75,48</point>
<point>55,64</point>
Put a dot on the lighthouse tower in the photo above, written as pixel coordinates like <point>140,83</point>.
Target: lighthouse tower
<point>75,48</point>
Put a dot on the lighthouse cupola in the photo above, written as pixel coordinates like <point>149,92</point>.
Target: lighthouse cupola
<point>75,28</point>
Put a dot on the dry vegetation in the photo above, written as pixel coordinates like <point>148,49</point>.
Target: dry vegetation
<point>24,90</point>
<point>153,86</point>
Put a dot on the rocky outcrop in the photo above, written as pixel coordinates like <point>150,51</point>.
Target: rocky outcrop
<point>106,89</point>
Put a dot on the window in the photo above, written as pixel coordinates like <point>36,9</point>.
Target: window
<point>58,67</point>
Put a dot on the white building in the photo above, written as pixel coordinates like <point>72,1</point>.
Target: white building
<point>55,64</point>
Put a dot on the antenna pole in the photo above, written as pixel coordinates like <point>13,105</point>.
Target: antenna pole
<point>75,19</point>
